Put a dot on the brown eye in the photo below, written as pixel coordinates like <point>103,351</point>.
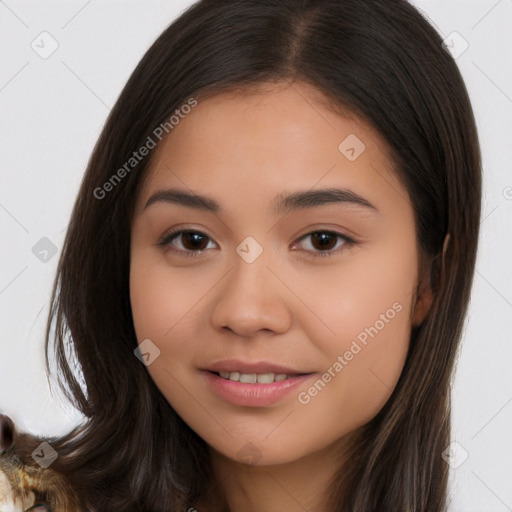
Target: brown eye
<point>193,241</point>
<point>185,241</point>
<point>323,243</point>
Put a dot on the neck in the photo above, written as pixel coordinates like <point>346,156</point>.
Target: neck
<point>295,486</point>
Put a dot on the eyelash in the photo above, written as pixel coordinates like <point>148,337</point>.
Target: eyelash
<point>170,236</point>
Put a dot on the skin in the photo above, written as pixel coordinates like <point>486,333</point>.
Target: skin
<point>288,306</point>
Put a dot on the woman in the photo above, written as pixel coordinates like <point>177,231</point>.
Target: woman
<point>268,130</point>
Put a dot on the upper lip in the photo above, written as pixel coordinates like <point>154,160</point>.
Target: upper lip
<point>234,365</point>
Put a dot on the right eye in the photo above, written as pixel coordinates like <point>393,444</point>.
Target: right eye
<point>192,242</point>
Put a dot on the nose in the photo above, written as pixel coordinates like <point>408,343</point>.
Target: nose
<point>252,299</point>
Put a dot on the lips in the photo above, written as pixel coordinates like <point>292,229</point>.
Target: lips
<point>253,394</point>
<point>253,384</point>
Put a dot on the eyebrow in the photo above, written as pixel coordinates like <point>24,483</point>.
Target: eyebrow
<point>283,203</point>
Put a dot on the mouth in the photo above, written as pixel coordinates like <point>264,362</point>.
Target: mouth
<point>253,390</point>
<point>262,372</point>
<point>256,378</point>
<point>253,384</point>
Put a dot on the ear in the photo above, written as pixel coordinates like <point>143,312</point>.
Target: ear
<point>424,293</point>
<point>7,433</point>
<point>424,299</point>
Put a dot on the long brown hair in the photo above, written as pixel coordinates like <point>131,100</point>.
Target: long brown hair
<point>379,59</point>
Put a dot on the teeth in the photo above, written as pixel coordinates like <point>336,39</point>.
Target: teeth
<point>266,378</point>
<point>253,378</point>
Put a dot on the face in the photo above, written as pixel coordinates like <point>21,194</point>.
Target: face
<point>299,261</point>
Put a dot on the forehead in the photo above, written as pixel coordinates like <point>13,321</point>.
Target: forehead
<point>269,138</point>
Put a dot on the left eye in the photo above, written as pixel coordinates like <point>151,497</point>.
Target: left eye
<point>323,241</point>
<point>193,242</point>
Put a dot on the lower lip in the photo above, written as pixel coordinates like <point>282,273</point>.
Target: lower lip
<point>252,395</point>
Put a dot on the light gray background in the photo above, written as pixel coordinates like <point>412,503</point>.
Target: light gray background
<point>52,111</point>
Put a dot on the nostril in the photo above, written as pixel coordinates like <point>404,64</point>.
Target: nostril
<point>6,432</point>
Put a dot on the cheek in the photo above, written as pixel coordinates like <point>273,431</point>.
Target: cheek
<point>367,313</point>
<point>356,384</point>
<point>168,308</point>
<point>371,363</point>
<point>161,299</point>
<point>149,301</point>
